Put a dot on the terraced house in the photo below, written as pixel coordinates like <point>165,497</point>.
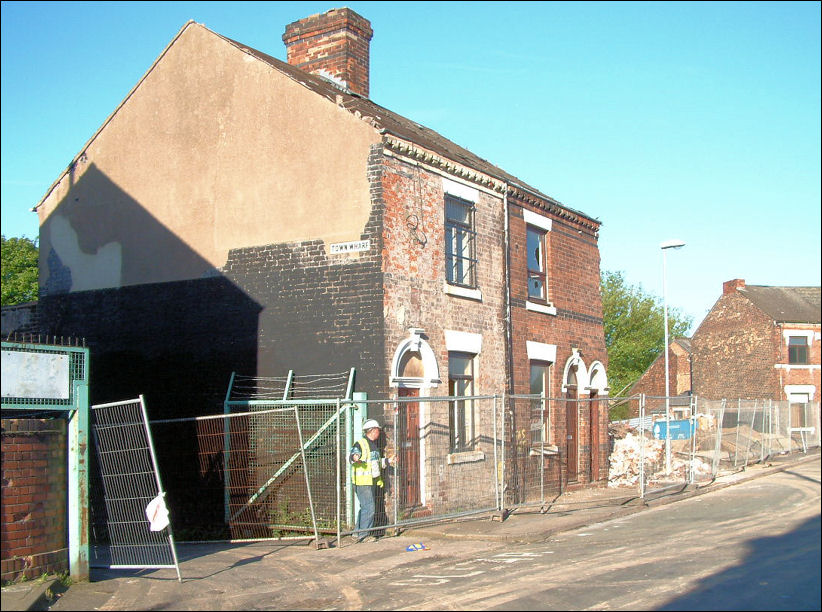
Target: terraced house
<point>238,213</point>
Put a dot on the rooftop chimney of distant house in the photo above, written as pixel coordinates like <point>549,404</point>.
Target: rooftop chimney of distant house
<point>732,285</point>
<point>334,44</point>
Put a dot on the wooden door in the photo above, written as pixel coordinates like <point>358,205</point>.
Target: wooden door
<point>571,434</point>
<point>408,421</point>
<point>594,419</point>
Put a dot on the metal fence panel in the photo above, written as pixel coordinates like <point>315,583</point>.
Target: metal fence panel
<point>708,438</point>
<point>432,479</point>
<point>130,481</point>
<point>280,469</point>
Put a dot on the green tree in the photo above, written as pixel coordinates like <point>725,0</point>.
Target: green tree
<point>634,329</point>
<point>19,258</point>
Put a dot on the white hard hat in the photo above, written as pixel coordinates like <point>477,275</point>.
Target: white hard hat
<point>370,424</point>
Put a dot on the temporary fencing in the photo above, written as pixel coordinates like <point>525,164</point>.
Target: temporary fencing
<point>279,468</point>
<point>679,441</point>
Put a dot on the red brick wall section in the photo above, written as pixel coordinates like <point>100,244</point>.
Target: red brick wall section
<point>34,531</point>
<point>335,43</point>
<point>800,375</point>
<point>414,266</point>
<point>652,382</point>
<point>573,276</point>
<point>734,351</point>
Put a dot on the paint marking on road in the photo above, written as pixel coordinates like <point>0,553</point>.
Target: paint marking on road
<point>417,581</point>
<point>434,576</point>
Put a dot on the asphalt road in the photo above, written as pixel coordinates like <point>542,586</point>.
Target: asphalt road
<point>753,546</point>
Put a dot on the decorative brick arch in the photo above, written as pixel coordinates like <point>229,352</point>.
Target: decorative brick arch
<point>576,366</point>
<point>598,379</point>
<point>414,347</point>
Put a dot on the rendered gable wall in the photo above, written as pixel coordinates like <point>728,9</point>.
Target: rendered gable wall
<point>214,150</point>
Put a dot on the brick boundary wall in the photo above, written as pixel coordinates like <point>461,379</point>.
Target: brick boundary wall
<point>34,494</point>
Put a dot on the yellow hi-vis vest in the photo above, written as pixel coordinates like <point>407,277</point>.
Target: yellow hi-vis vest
<point>362,468</point>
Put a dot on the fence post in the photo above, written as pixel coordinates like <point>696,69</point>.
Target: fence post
<point>79,516</point>
<point>305,473</point>
<point>718,442</point>
<point>693,424</point>
<point>227,452</point>
<point>750,436</point>
<point>502,484</point>
<point>542,450</point>
<point>395,492</point>
<point>160,490</point>
<point>736,444</point>
<point>339,473</point>
<point>641,445</point>
<point>496,458</point>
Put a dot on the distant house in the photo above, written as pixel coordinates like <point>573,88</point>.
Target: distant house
<point>759,342</point>
<point>239,213</point>
<point>652,381</point>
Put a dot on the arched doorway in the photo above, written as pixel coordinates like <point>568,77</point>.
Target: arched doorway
<point>598,404</point>
<point>574,378</point>
<point>413,372</point>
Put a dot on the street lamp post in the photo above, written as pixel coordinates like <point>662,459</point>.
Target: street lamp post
<point>668,244</point>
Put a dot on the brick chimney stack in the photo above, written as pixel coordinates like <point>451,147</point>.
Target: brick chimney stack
<point>731,286</point>
<point>335,44</point>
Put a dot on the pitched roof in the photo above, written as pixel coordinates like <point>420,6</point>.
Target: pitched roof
<point>786,304</point>
<point>381,119</point>
<point>388,122</point>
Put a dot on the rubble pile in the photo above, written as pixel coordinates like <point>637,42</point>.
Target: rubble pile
<point>625,459</point>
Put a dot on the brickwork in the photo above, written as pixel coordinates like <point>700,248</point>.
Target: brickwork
<point>652,382</point>
<point>335,43</point>
<point>34,532</point>
<point>573,289</point>
<point>20,319</point>
<point>734,351</point>
<point>415,296</point>
<point>799,375</point>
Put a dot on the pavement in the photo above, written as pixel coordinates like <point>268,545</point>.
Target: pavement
<point>296,574</point>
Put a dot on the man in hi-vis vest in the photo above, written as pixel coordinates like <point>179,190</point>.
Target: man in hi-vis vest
<point>368,465</point>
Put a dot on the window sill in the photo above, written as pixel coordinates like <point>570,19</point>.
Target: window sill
<point>471,294</point>
<point>543,308</point>
<point>465,457</point>
<point>797,366</point>
<point>548,449</point>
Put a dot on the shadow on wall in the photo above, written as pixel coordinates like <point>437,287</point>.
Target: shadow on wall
<point>158,318</point>
<point>174,340</point>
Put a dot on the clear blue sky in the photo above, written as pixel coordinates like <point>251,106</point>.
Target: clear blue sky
<point>697,121</point>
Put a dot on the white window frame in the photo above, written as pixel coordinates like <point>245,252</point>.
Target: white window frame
<point>544,223</point>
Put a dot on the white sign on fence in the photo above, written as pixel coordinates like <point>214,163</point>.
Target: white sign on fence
<point>35,375</point>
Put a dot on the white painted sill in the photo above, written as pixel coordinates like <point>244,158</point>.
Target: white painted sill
<point>549,308</point>
<point>471,294</point>
<point>466,457</point>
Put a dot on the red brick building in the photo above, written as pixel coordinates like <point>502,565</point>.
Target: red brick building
<point>652,381</point>
<point>239,213</point>
<point>759,342</point>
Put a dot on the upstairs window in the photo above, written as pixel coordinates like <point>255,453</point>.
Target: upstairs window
<point>798,350</point>
<point>460,243</point>
<point>461,413</point>
<point>537,287</point>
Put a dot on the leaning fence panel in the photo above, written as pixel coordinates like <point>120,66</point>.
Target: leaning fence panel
<point>139,533</point>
